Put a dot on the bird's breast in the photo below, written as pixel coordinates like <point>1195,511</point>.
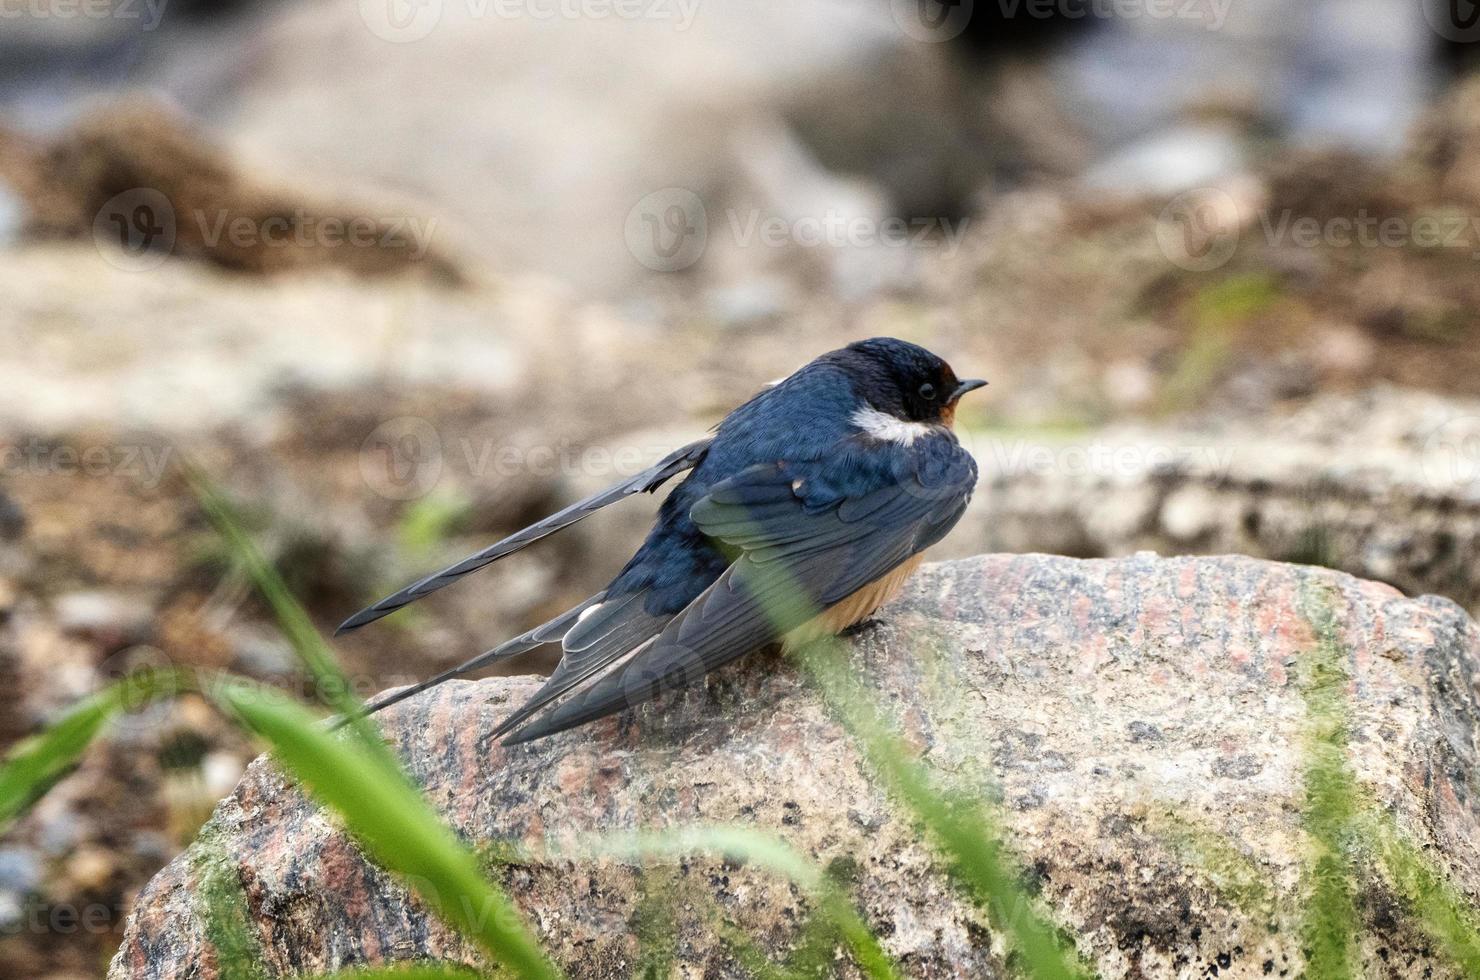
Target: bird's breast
<point>855,608</point>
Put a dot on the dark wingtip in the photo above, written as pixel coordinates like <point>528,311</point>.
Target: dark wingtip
<point>367,615</point>
<point>520,716</point>
<point>511,725</point>
<point>528,733</point>
<point>545,726</point>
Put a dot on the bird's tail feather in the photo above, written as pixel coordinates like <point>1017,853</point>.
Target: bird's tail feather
<point>647,481</point>
<point>556,686</point>
<point>608,634</point>
<point>549,632</point>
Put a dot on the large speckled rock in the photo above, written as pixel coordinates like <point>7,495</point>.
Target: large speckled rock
<point>1384,484</point>
<point>1140,725</point>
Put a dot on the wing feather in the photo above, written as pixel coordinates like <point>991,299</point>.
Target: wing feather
<point>607,633</point>
<point>798,557</point>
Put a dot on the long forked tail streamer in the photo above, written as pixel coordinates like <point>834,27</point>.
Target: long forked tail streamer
<point>646,481</point>
<point>549,632</point>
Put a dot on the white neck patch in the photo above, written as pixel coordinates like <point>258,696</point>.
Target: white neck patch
<point>887,428</point>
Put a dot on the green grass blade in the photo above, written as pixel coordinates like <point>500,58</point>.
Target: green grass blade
<point>764,851</point>
<point>35,764</point>
<point>362,781</point>
<point>332,686</point>
<point>761,850</point>
<point>392,822</point>
<point>297,628</point>
<point>964,831</point>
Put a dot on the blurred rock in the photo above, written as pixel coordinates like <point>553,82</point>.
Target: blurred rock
<point>1448,142</point>
<point>112,618</point>
<point>152,847</point>
<point>169,372</point>
<point>1128,715</point>
<point>20,871</point>
<point>757,300</point>
<point>12,518</point>
<point>1384,484</point>
<point>143,184</point>
<point>937,134</point>
<point>1190,512</point>
<point>1350,72</point>
<point>1180,158</point>
<point>91,868</point>
<point>220,772</point>
<point>260,652</point>
<point>12,216</point>
<point>61,829</point>
<point>568,190</point>
<point>1342,351</point>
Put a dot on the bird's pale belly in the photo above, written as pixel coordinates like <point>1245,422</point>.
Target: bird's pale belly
<point>854,609</point>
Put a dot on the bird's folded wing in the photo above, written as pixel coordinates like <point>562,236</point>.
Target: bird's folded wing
<point>603,635</point>
<point>544,633</point>
<point>646,481</point>
<point>798,556</point>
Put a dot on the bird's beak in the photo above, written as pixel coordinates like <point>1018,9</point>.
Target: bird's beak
<point>970,384</point>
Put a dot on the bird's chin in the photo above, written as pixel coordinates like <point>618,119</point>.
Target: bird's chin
<point>948,416</point>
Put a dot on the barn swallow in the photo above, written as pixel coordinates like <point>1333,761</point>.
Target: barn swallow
<point>803,513</point>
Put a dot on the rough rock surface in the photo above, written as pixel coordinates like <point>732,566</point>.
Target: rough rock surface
<point>1125,717</point>
<point>1384,484</point>
<point>141,168</point>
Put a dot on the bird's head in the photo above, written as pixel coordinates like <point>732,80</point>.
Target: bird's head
<point>906,381</point>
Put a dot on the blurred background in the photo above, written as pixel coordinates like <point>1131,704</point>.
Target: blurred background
<point>404,275</point>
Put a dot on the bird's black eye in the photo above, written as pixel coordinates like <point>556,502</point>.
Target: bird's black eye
<point>927,391</point>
